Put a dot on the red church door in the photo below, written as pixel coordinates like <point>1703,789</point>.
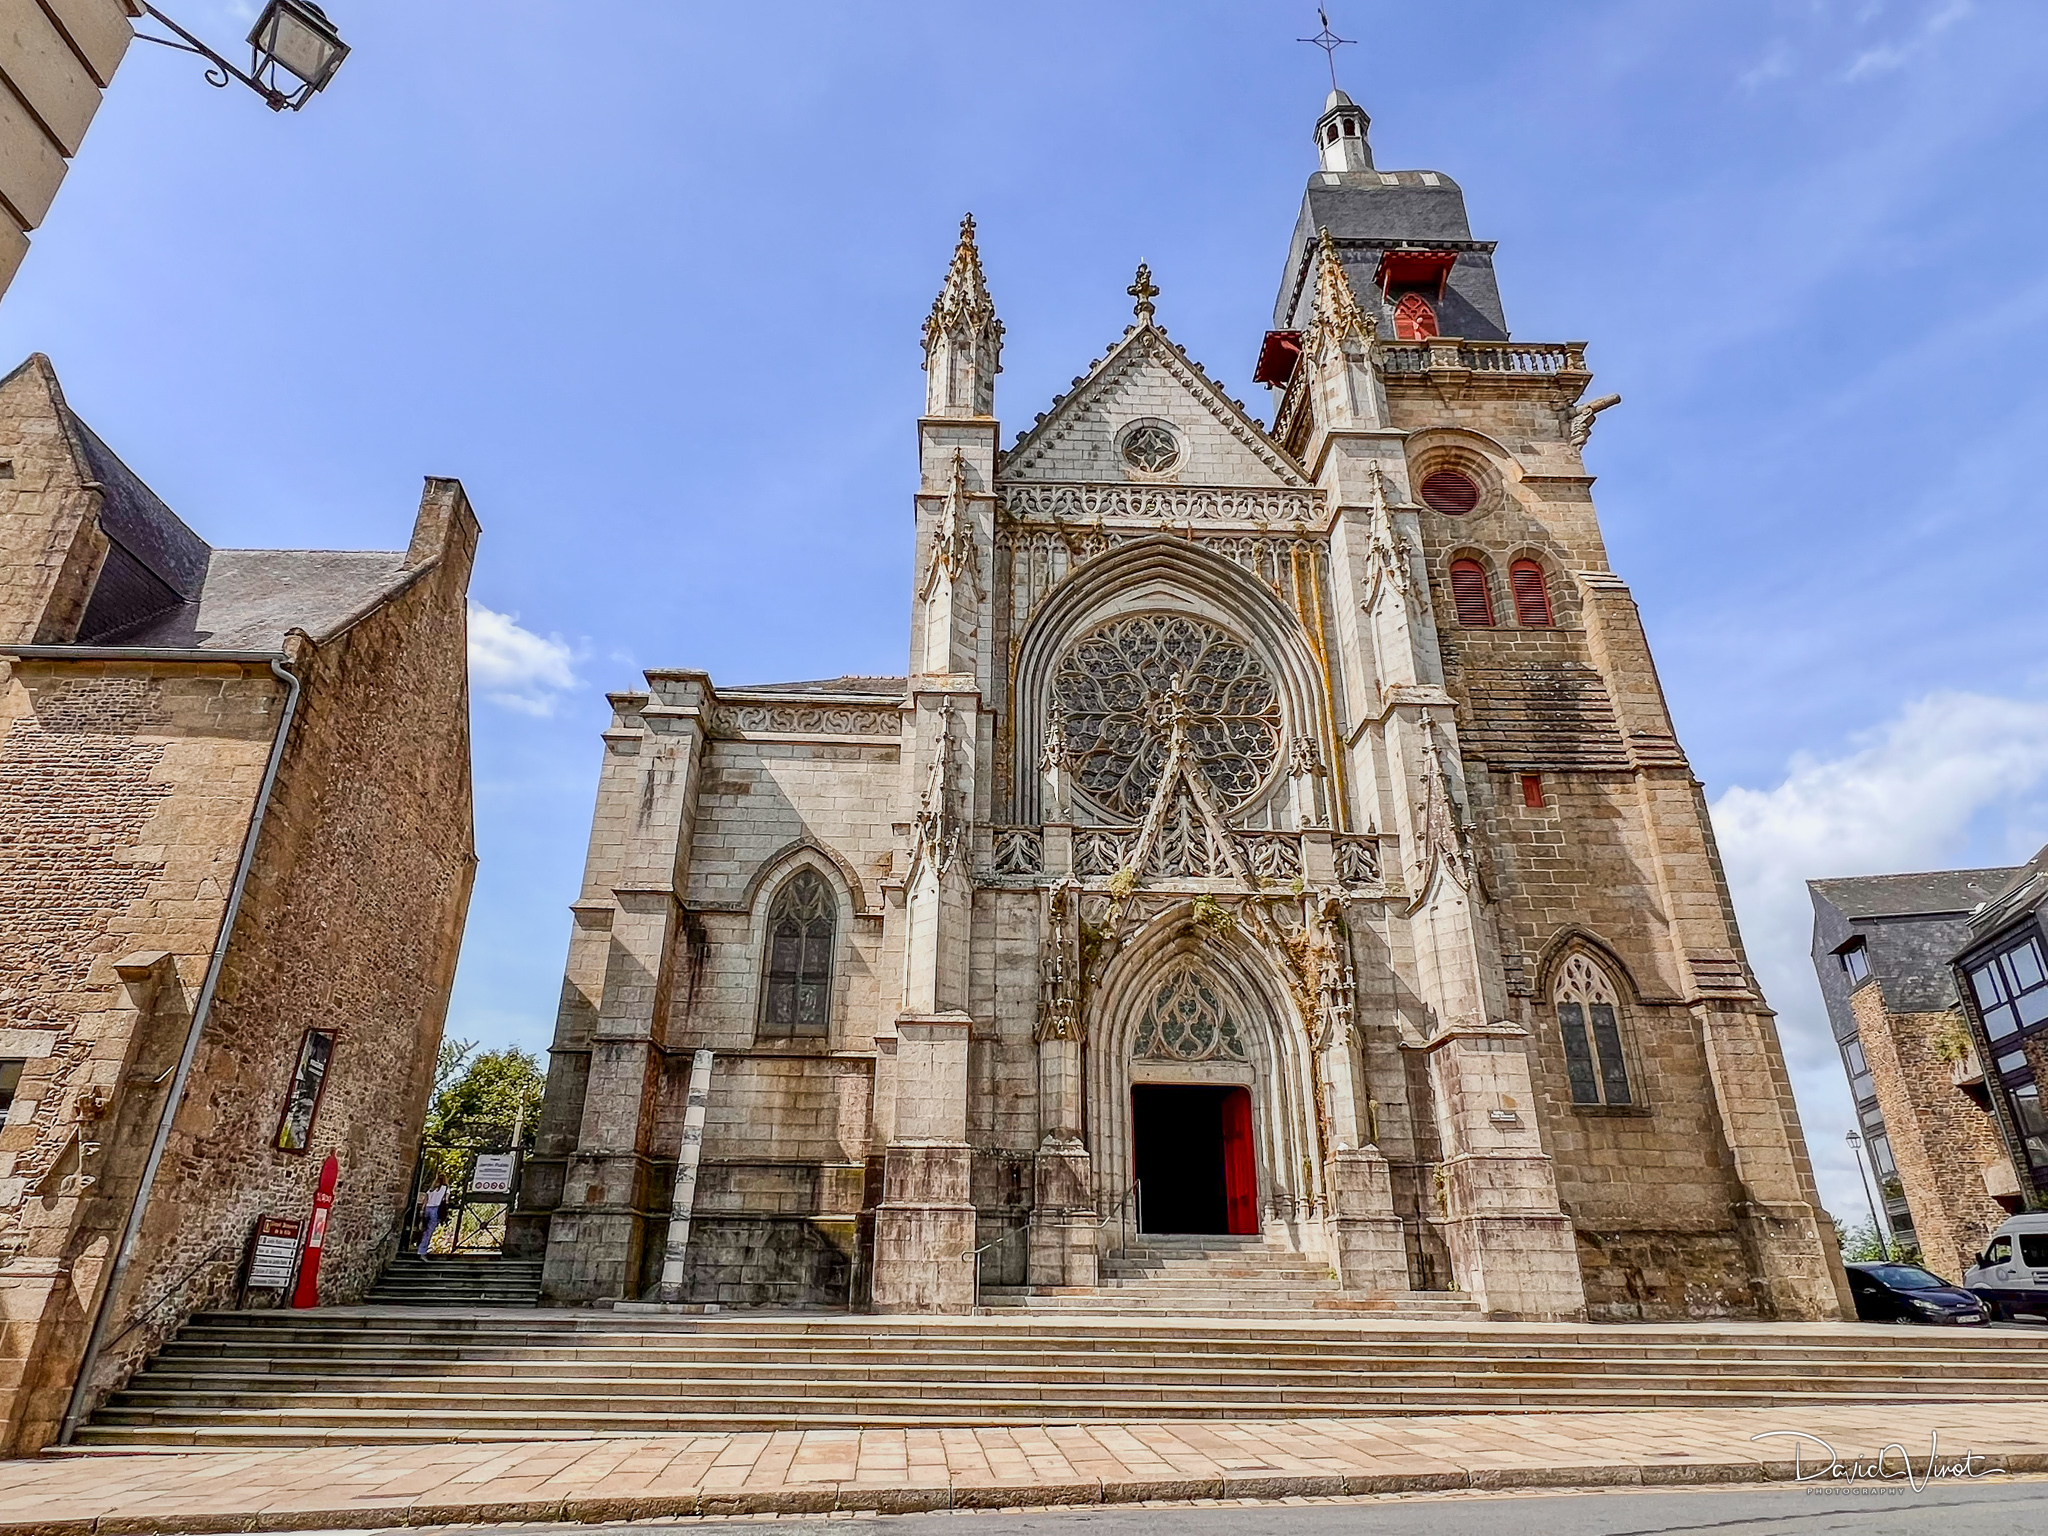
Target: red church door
<point>1240,1168</point>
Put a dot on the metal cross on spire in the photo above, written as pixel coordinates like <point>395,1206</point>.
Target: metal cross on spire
<point>1329,42</point>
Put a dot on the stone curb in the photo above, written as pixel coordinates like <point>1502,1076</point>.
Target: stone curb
<point>844,1498</point>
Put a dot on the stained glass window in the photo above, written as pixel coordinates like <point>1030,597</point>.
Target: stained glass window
<point>1589,1019</point>
<point>797,996</point>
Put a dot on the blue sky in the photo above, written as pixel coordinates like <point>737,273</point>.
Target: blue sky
<point>648,276</point>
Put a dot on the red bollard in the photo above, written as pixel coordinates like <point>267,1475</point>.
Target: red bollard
<point>308,1292</point>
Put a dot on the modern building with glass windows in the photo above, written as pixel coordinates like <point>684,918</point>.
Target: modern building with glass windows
<point>2005,983</point>
<point>1884,951</point>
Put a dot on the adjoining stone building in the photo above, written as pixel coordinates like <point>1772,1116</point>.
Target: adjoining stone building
<point>56,59</point>
<point>235,856</point>
<point>1884,949</point>
<point>1285,820</point>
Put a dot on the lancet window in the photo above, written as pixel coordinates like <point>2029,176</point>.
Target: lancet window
<point>1414,319</point>
<point>796,993</point>
<point>1589,1019</point>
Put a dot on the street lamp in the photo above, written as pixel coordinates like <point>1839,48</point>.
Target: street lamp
<point>293,52</point>
<point>1876,1225</point>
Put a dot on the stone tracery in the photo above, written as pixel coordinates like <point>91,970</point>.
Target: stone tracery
<point>1188,1022</point>
<point>1112,686</point>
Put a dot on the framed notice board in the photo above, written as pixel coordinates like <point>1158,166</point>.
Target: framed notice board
<point>273,1254</point>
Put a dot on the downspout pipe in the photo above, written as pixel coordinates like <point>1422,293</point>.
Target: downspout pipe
<point>280,668</point>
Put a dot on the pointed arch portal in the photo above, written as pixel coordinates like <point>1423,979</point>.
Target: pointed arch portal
<point>1200,1085</point>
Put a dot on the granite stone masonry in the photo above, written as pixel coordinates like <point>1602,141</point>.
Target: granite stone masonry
<point>148,684</point>
<point>1278,841</point>
<point>1884,951</point>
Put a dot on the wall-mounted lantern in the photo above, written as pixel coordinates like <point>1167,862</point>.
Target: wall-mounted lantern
<point>293,52</point>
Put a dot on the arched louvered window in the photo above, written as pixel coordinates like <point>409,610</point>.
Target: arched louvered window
<point>1470,595</point>
<point>1532,594</point>
<point>1589,1019</point>
<point>1414,320</point>
<point>796,993</point>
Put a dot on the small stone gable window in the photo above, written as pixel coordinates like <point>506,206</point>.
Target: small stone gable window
<point>1150,448</point>
<point>1470,596</point>
<point>1414,318</point>
<point>1532,594</point>
<point>796,994</point>
<point>1589,1019</point>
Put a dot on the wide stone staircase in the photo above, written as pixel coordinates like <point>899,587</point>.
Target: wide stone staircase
<point>457,1280</point>
<point>1220,1276</point>
<point>382,1375</point>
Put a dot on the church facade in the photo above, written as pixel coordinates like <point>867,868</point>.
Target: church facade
<point>1279,831</point>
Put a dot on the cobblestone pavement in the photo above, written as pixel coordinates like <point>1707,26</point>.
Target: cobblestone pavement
<point>892,1470</point>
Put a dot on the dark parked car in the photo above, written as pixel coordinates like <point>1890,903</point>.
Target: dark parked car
<point>1906,1293</point>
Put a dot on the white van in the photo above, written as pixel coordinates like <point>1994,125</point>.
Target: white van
<point>2012,1272</point>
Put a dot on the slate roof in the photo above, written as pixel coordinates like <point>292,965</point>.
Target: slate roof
<point>878,687</point>
<point>251,597</point>
<point>1946,890</point>
<point>134,516</point>
<point>2024,889</point>
<point>162,587</point>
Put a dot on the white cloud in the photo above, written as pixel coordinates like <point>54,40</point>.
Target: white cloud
<point>1776,64</point>
<point>514,666</point>
<point>1913,795</point>
<point>1890,56</point>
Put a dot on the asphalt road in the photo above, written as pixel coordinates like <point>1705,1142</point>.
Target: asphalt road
<point>2007,1507</point>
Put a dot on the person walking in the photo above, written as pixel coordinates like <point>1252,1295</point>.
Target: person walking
<point>437,1202</point>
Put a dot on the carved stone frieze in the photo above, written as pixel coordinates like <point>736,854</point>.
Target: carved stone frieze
<point>1088,500</point>
<point>729,720</point>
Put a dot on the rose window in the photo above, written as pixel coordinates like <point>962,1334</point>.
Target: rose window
<point>1111,689</point>
<point>1151,448</point>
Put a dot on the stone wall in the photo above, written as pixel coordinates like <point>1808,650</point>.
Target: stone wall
<point>124,792</point>
<point>1618,863</point>
<point>1942,1138</point>
<point>126,789</point>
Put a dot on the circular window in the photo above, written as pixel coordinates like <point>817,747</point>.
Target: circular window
<point>1151,448</point>
<point>1450,493</point>
<point>1122,690</point>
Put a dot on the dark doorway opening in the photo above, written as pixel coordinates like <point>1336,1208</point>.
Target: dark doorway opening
<point>1192,1148</point>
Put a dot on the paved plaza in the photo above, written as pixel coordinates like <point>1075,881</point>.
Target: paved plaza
<point>826,1471</point>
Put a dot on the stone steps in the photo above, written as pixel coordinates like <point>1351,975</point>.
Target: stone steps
<point>459,1280</point>
<point>1226,1276</point>
<point>372,1375</point>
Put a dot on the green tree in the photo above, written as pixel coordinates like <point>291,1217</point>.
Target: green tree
<point>479,1100</point>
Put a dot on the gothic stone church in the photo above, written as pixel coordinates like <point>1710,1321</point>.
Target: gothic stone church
<point>1279,832</point>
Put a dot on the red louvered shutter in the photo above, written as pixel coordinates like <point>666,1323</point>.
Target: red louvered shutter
<point>1414,320</point>
<point>1532,594</point>
<point>1468,592</point>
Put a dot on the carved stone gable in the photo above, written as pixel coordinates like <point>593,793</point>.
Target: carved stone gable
<point>1147,415</point>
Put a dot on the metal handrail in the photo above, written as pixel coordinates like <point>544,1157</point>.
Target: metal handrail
<point>1122,1205</point>
<point>976,1254</point>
